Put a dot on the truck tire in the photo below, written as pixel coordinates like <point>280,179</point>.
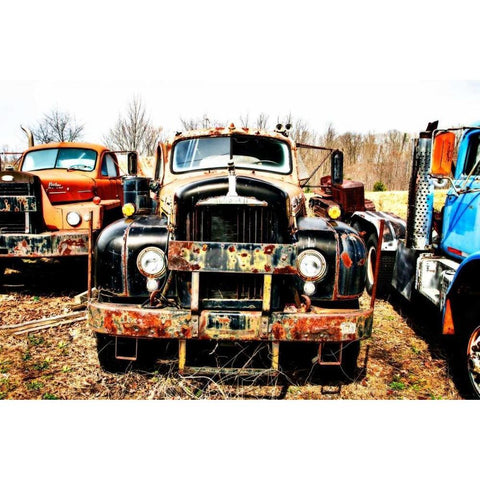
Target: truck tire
<point>106,355</point>
<point>349,365</point>
<point>470,358</point>
<point>386,268</point>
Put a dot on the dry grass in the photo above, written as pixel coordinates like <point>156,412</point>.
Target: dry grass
<point>62,363</point>
<point>396,201</point>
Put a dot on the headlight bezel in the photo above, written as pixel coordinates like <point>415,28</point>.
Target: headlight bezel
<point>143,257</point>
<point>311,258</point>
<point>76,220</point>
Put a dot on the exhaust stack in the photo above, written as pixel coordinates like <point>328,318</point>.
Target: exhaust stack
<point>29,134</point>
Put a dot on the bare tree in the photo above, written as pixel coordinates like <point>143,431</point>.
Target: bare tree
<point>57,126</point>
<point>203,122</point>
<point>134,131</point>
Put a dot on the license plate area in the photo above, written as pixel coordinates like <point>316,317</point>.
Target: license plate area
<point>230,325</point>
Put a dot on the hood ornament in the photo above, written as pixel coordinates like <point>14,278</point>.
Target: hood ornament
<point>232,180</point>
<point>232,197</point>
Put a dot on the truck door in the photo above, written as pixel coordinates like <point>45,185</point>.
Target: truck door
<point>109,185</point>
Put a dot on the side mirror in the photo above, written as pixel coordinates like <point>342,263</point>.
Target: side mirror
<point>337,167</point>
<point>442,154</point>
<point>132,163</point>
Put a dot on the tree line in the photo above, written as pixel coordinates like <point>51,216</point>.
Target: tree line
<point>372,158</point>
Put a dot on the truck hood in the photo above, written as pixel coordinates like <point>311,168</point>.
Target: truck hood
<point>64,187</point>
<point>216,187</point>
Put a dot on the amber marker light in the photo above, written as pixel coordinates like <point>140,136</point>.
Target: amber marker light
<point>334,212</point>
<point>128,209</point>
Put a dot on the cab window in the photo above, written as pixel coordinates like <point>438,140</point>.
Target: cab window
<point>109,167</point>
<point>473,157</point>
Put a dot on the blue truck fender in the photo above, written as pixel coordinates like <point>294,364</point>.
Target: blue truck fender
<point>456,307</point>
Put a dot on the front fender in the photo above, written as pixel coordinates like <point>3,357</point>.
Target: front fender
<point>344,252</point>
<point>117,249</point>
<point>394,228</point>
<point>463,295</point>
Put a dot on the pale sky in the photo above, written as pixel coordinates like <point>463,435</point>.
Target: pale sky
<point>361,66</point>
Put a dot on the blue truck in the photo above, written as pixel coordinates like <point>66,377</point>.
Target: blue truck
<point>436,254</point>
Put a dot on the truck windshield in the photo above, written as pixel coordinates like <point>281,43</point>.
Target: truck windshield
<point>258,153</point>
<point>68,158</point>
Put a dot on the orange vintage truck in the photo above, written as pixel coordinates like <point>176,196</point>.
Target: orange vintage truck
<point>58,195</point>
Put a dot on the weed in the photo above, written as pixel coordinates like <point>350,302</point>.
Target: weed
<point>27,356</point>
<point>35,340</point>
<point>5,366</point>
<point>43,365</point>
<point>415,350</point>
<point>35,385</point>
<point>397,386</point>
<point>49,396</point>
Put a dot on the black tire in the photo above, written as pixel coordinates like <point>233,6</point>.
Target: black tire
<point>349,365</point>
<point>106,355</point>
<point>469,356</point>
<point>386,268</point>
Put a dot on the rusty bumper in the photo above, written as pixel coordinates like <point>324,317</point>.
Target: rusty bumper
<point>317,325</point>
<point>49,244</point>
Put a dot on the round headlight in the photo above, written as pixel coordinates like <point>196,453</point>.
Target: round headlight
<point>311,265</point>
<point>73,219</point>
<point>151,262</point>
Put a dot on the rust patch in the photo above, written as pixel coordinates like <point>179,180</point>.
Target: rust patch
<point>287,270</point>
<point>347,261</point>
<point>268,250</point>
<point>278,331</point>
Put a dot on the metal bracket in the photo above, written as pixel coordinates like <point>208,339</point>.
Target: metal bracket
<point>337,362</point>
<point>126,357</point>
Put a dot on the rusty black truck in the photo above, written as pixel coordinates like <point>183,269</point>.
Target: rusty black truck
<point>219,248</point>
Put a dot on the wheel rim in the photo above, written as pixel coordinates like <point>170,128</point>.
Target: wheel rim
<point>372,258</point>
<point>473,360</point>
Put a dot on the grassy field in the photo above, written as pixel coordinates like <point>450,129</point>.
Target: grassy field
<point>396,201</point>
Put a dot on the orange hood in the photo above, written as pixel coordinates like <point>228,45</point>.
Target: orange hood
<point>65,187</point>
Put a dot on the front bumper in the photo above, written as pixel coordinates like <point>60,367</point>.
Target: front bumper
<point>49,244</point>
<point>316,325</point>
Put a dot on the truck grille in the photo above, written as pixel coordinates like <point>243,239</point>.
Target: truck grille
<point>235,224</point>
<point>227,223</point>
<point>13,188</point>
<point>21,221</point>
<point>12,222</point>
